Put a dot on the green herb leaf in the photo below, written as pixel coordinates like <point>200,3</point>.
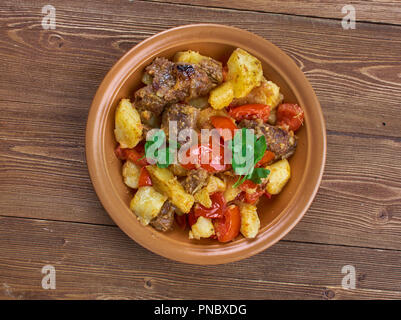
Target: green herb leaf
<point>247,151</point>
<point>258,174</point>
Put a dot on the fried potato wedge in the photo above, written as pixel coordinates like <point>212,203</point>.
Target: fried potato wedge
<point>147,204</point>
<point>189,57</point>
<point>280,173</point>
<point>245,72</point>
<point>165,182</point>
<point>250,222</point>
<point>131,174</point>
<point>128,126</point>
<point>267,93</point>
<point>221,96</point>
<point>203,228</point>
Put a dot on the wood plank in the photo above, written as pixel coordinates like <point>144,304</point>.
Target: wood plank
<point>359,201</point>
<point>366,10</point>
<point>358,87</point>
<point>101,262</point>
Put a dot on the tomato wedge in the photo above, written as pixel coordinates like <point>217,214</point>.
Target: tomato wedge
<point>267,157</point>
<point>136,155</point>
<point>221,122</point>
<point>215,211</point>
<point>191,218</point>
<point>253,197</point>
<point>214,163</point>
<point>250,112</point>
<point>290,115</point>
<point>251,191</point>
<point>144,178</point>
<point>228,227</point>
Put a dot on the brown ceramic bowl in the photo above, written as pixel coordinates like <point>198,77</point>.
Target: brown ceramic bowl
<point>278,216</point>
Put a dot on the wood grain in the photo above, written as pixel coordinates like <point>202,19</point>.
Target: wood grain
<point>48,79</point>
<point>95,262</point>
<point>366,10</point>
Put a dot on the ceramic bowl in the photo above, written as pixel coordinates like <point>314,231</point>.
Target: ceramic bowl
<point>279,215</point>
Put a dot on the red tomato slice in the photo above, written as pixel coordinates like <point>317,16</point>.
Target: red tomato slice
<point>144,178</point>
<point>215,211</point>
<point>214,163</point>
<point>221,122</point>
<point>267,157</point>
<point>250,112</point>
<point>253,197</point>
<point>252,191</point>
<point>290,115</point>
<point>228,227</point>
<point>136,155</point>
<point>191,218</point>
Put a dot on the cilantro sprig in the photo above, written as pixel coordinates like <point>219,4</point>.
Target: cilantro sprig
<point>247,151</point>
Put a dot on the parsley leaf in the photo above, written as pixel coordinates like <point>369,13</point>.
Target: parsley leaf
<point>258,174</point>
<point>247,155</point>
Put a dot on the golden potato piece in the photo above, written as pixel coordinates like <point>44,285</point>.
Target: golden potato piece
<point>189,57</point>
<point>280,173</point>
<point>267,93</point>
<point>203,228</point>
<point>230,192</point>
<point>147,204</point>
<point>272,93</point>
<point>221,96</point>
<point>128,126</point>
<point>202,197</point>
<point>165,182</point>
<point>250,222</point>
<point>131,174</point>
<point>215,185</point>
<point>244,71</point>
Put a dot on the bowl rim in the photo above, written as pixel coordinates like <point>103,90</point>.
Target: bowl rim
<point>291,75</point>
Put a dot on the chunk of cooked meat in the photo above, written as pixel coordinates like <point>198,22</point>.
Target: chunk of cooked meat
<point>278,140</point>
<point>147,100</point>
<point>165,219</point>
<point>195,180</point>
<point>175,82</point>
<point>185,115</point>
<point>213,68</point>
<point>192,80</point>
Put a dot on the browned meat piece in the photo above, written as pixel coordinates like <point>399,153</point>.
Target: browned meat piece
<point>161,70</point>
<point>185,115</point>
<point>214,70</point>
<point>278,140</point>
<point>165,219</point>
<point>175,82</point>
<point>196,180</point>
<point>192,80</point>
<point>146,99</point>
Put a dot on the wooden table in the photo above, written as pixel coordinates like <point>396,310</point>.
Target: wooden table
<point>50,214</point>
